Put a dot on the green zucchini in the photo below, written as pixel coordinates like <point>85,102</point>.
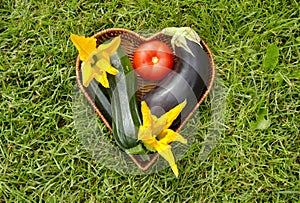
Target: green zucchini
<point>99,94</point>
<point>125,113</point>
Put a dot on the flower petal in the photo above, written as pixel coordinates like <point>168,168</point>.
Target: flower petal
<point>111,47</point>
<point>169,136</point>
<point>85,46</point>
<point>87,74</point>
<point>111,70</point>
<point>102,79</point>
<point>165,151</point>
<point>144,133</point>
<point>147,121</point>
<point>102,55</point>
<point>102,65</point>
<point>100,68</point>
<point>150,144</point>
<point>173,114</point>
<point>158,124</point>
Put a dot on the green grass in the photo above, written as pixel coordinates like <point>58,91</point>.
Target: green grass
<point>258,156</point>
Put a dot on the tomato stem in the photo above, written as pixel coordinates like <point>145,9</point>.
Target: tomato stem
<point>154,60</point>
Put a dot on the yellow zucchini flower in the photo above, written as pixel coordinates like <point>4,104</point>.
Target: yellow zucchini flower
<point>96,61</point>
<point>156,135</point>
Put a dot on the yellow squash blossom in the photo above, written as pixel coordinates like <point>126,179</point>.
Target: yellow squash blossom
<point>156,135</point>
<point>96,61</point>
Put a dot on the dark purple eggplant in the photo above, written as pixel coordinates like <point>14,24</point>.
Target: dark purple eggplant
<point>188,80</point>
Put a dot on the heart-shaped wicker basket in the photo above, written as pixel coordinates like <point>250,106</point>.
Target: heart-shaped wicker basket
<point>129,42</point>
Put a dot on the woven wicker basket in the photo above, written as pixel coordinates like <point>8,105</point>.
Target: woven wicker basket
<point>129,42</point>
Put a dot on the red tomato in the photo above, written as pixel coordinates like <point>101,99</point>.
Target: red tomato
<point>153,60</point>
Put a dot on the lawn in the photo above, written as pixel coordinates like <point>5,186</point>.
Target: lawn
<point>256,47</point>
